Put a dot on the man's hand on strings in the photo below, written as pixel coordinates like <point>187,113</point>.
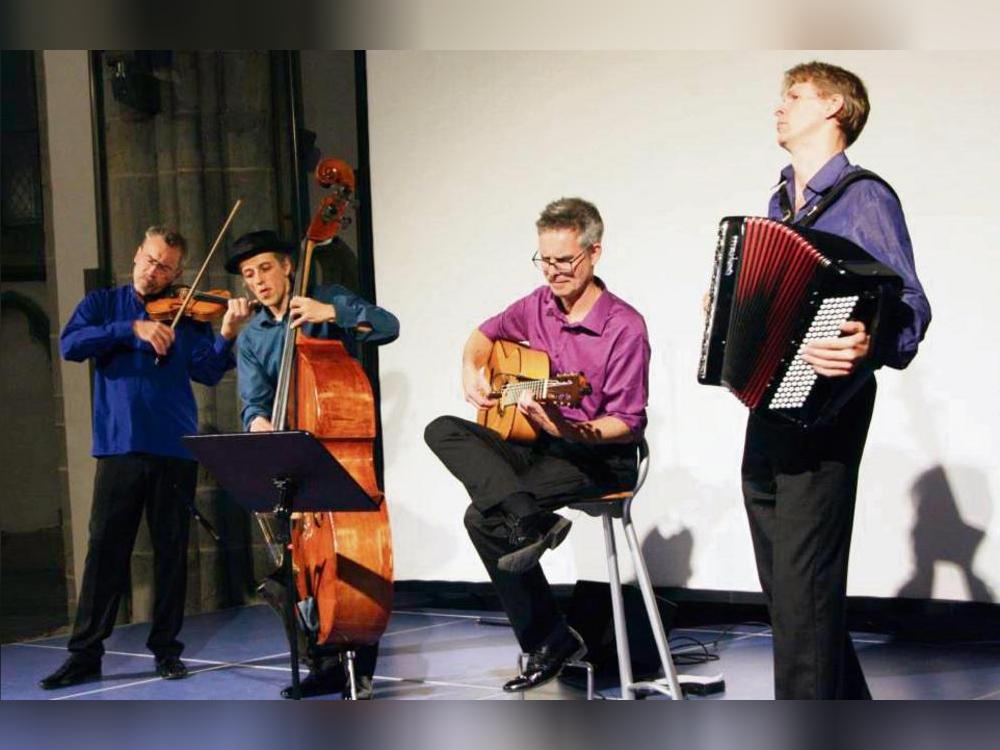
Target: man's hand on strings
<point>237,314</point>
<point>261,424</point>
<point>304,310</point>
<point>545,417</point>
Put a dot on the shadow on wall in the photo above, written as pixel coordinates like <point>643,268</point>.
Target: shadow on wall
<point>670,556</point>
<point>675,494</point>
<point>394,388</point>
<point>940,534</point>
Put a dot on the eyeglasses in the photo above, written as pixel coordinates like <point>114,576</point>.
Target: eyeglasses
<point>157,267</point>
<point>559,265</point>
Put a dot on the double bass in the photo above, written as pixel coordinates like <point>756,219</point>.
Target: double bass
<point>342,561</point>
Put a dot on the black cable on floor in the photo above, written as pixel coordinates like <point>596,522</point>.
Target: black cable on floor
<point>708,648</point>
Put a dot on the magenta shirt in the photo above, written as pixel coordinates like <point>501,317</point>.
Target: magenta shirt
<point>610,346</point>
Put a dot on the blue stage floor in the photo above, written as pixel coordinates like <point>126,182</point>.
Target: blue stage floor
<point>241,654</point>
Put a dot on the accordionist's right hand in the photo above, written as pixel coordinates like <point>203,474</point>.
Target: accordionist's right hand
<point>836,358</point>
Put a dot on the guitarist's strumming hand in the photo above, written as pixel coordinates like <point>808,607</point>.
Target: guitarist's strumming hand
<point>548,417</point>
<point>476,388</point>
<point>545,417</point>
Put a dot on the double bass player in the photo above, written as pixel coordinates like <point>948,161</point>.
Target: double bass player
<point>265,263</point>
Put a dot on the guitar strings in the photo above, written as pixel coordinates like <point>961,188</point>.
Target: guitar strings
<point>511,392</point>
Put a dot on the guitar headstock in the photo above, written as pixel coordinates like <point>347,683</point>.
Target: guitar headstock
<point>567,389</point>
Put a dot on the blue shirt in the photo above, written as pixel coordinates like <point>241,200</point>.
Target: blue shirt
<point>869,215</point>
<point>260,343</point>
<point>139,406</point>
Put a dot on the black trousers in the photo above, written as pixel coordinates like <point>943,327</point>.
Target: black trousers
<point>124,486</point>
<point>799,488</point>
<point>554,473</point>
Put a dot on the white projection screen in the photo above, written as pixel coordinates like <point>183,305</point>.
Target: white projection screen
<point>466,149</point>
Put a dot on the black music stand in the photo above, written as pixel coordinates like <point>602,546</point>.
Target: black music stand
<point>281,473</point>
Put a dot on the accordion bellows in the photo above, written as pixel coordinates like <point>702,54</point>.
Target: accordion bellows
<point>776,287</point>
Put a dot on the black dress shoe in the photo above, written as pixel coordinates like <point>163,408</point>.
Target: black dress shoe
<point>72,672</point>
<point>320,683</point>
<point>546,533</point>
<point>171,668</point>
<point>547,661</point>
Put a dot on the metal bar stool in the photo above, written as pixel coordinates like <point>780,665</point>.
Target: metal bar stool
<point>619,505</point>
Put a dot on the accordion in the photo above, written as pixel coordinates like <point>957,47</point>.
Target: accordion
<point>775,288</point>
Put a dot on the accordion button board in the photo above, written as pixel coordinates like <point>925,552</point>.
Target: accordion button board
<point>776,287</point>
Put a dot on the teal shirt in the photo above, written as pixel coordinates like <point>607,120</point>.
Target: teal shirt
<point>260,342</point>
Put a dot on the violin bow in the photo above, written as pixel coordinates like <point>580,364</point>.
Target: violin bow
<point>201,271</point>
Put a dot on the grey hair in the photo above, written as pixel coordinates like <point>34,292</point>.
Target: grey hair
<point>573,213</point>
<point>172,237</point>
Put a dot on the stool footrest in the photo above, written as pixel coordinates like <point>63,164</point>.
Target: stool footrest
<point>660,686</point>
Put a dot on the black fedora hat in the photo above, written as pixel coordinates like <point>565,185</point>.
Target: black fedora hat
<point>254,243</point>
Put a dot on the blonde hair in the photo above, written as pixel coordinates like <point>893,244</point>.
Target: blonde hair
<point>830,79</point>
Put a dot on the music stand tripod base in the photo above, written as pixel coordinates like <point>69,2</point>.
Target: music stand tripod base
<point>282,473</point>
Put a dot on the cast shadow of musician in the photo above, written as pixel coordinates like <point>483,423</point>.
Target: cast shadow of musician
<point>668,558</point>
<point>940,534</point>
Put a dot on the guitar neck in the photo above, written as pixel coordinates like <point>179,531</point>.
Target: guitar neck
<point>539,389</point>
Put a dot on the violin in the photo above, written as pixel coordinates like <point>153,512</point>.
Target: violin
<point>204,306</point>
<point>213,304</point>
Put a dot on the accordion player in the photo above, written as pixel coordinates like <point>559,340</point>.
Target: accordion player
<point>776,287</point>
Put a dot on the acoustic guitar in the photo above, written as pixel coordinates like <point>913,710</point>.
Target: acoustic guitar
<point>513,369</point>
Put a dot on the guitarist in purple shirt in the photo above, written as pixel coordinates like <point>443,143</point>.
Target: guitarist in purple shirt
<point>589,449</point>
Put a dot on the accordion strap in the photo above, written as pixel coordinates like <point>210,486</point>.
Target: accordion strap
<point>829,198</point>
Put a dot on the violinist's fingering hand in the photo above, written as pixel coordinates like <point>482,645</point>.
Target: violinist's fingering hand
<point>157,335</point>
<point>237,314</point>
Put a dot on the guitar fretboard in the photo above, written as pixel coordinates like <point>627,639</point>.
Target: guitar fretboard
<point>510,393</point>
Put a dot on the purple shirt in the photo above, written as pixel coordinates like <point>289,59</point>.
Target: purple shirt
<point>609,346</point>
<point>870,216</point>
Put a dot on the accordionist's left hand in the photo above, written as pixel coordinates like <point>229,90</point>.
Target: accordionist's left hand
<point>836,358</point>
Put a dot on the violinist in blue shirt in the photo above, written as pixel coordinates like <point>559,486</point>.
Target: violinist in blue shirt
<point>142,405</point>
<point>332,312</point>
